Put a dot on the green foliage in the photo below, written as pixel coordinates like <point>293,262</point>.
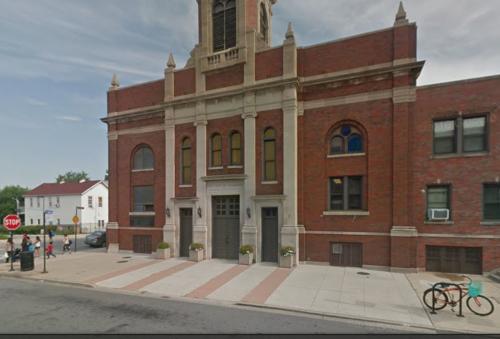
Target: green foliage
<point>196,247</point>
<point>7,199</point>
<point>287,251</point>
<point>246,249</point>
<point>72,177</point>
<point>106,177</point>
<point>163,246</point>
<point>4,236</point>
<point>29,229</point>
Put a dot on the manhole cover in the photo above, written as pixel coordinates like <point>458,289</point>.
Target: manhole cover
<point>122,261</point>
<point>126,257</point>
<point>363,273</point>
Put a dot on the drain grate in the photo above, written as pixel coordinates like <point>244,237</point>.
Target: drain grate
<point>126,257</point>
<point>122,261</point>
<point>363,273</point>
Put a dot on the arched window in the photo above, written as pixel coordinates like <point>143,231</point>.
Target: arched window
<point>216,152</point>
<point>143,159</point>
<point>264,23</point>
<point>235,141</point>
<point>346,139</point>
<point>186,162</point>
<point>270,154</point>
<point>224,24</point>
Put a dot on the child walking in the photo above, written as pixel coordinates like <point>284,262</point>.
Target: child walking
<point>50,250</point>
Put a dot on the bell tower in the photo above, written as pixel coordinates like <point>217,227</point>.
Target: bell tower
<point>224,24</point>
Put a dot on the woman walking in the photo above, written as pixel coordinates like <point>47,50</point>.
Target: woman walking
<point>38,245</point>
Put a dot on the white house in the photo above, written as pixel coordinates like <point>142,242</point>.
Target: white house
<point>63,199</point>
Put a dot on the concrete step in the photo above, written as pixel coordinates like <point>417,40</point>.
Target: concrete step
<point>495,275</point>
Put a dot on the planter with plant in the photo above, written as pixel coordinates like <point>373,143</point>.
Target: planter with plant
<point>163,251</point>
<point>196,252</point>
<point>246,255</point>
<point>287,258</point>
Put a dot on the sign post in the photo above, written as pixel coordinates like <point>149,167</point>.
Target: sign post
<point>45,212</point>
<point>76,220</point>
<point>11,223</point>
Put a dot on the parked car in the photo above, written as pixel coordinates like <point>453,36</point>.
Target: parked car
<point>96,239</point>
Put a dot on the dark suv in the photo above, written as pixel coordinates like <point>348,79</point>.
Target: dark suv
<point>96,239</point>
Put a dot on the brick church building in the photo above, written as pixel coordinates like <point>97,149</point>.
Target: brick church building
<point>332,149</point>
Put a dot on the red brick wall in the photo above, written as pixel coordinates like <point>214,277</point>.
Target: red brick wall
<point>225,127</point>
<point>269,64</point>
<point>226,77</point>
<point>252,14</point>
<point>264,120</point>
<point>143,95</point>
<point>374,118</point>
<point>346,88</point>
<point>404,252</point>
<point>491,249</point>
<point>185,82</point>
<point>127,238</point>
<point>126,179</point>
<point>369,49</point>
<point>376,249</point>
<point>157,121</point>
<point>405,42</point>
<point>465,174</point>
<point>181,132</point>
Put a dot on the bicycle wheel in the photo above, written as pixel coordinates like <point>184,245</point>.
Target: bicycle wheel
<point>480,305</point>
<point>441,299</point>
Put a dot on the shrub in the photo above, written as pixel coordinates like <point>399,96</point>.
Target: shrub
<point>21,230</point>
<point>287,251</point>
<point>163,246</point>
<point>196,247</point>
<point>246,249</point>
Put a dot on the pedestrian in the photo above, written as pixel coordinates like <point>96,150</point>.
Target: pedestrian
<point>50,250</point>
<point>24,244</point>
<point>38,245</point>
<point>51,234</point>
<point>31,246</point>
<point>66,244</point>
<point>9,247</point>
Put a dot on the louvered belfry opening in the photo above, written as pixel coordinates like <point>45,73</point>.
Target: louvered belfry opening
<point>224,24</point>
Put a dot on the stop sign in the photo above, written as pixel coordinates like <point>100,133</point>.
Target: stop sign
<point>11,222</point>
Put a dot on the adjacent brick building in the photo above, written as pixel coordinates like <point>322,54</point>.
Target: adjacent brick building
<point>331,149</point>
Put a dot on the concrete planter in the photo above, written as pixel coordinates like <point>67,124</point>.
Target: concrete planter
<point>196,256</point>
<point>287,262</point>
<point>163,253</point>
<point>246,259</point>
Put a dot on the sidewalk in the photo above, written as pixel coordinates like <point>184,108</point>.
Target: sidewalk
<point>445,319</point>
<point>360,294</point>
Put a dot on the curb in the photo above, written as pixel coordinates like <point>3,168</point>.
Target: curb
<point>52,281</point>
<point>339,316</point>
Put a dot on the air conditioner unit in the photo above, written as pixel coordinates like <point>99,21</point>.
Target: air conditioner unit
<point>440,214</point>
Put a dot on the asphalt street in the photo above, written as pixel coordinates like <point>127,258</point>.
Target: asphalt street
<point>36,307</point>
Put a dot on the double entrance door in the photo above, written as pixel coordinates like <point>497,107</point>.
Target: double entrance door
<point>225,227</point>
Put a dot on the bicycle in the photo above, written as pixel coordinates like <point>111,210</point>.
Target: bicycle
<point>476,303</point>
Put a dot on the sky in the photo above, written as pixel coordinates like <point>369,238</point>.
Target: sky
<point>57,58</point>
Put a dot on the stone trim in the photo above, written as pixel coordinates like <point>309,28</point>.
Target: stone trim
<point>142,214</point>
<point>459,236</point>
<point>112,136</point>
<point>140,130</point>
<point>404,94</point>
<point>404,231</point>
<point>347,100</point>
<point>112,226</point>
<point>347,213</point>
<point>159,229</point>
<point>378,234</point>
<point>268,197</point>
<point>352,155</point>
<point>225,177</point>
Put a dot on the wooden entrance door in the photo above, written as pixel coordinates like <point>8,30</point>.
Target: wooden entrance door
<point>225,227</point>
<point>142,244</point>
<point>186,231</point>
<point>346,254</point>
<point>464,260</point>
<point>270,234</point>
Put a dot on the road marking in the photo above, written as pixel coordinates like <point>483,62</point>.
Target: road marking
<point>119,272</point>
<point>263,291</point>
<point>157,276</point>
<point>214,284</point>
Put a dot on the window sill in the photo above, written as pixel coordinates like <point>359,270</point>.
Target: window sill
<point>347,213</point>
<point>215,168</point>
<point>460,155</point>
<point>185,186</point>
<point>490,223</point>
<point>269,182</point>
<point>439,223</point>
<point>142,214</point>
<point>235,167</point>
<point>351,155</point>
<point>143,170</point>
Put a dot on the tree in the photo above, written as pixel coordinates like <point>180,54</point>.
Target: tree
<point>72,177</point>
<point>7,199</point>
<point>106,177</point>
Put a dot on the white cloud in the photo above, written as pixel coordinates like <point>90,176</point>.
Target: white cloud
<point>36,102</point>
<point>69,118</point>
